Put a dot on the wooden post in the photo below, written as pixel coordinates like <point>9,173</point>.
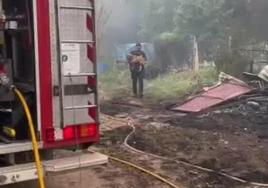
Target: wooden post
<point>195,55</point>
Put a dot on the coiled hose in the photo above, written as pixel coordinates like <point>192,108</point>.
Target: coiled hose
<point>38,162</point>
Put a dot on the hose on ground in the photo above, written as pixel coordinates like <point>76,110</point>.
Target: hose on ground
<point>144,171</point>
<point>125,143</point>
<point>38,162</point>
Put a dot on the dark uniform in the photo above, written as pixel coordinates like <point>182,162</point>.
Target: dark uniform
<point>137,72</point>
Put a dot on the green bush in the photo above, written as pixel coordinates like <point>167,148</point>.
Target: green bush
<point>179,85</point>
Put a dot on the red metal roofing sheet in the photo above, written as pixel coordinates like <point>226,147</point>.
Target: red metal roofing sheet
<point>214,96</point>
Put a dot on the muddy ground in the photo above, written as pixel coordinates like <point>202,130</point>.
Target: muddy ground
<point>232,138</point>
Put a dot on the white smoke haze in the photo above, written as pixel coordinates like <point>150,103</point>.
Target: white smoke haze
<point>117,23</point>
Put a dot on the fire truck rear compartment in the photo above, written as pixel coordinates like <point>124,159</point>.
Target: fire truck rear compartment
<point>17,67</point>
<point>53,63</point>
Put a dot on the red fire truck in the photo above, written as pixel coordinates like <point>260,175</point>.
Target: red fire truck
<point>48,53</point>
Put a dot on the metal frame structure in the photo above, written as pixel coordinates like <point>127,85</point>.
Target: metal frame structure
<point>46,65</point>
<point>46,72</point>
<point>44,76</point>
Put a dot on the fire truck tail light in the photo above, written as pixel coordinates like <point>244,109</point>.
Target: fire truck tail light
<point>69,133</point>
<point>89,130</point>
<point>80,131</point>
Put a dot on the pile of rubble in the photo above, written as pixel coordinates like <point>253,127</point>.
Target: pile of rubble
<point>246,107</point>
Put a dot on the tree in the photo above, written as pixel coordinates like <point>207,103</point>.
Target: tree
<point>219,25</point>
<point>158,18</point>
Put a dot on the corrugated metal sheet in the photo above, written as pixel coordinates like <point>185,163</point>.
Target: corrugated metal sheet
<point>214,96</point>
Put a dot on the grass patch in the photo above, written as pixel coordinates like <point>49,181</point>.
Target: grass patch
<point>117,83</point>
<point>177,85</point>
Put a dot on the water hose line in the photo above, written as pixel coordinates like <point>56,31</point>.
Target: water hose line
<point>39,166</point>
<point>38,162</point>
<point>144,171</point>
<point>131,124</point>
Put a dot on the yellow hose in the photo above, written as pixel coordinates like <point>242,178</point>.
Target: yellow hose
<point>38,162</point>
<point>145,171</point>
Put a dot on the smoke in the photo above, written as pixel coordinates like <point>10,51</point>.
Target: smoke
<point>117,22</point>
<point>120,12</point>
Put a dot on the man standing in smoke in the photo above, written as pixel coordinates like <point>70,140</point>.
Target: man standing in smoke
<point>137,60</point>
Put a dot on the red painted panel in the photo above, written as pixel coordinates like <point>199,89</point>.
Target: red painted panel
<point>91,54</point>
<point>214,96</point>
<point>90,23</point>
<point>43,26</point>
<point>228,90</point>
<point>197,104</point>
<point>44,48</point>
<point>92,82</point>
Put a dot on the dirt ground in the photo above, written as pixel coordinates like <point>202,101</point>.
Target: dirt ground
<point>232,139</point>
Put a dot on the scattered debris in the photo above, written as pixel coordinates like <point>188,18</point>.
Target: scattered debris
<point>228,88</point>
<point>253,104</point>
<point>158,125</point>
<point>236,131</point>
<point>122,115</point>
